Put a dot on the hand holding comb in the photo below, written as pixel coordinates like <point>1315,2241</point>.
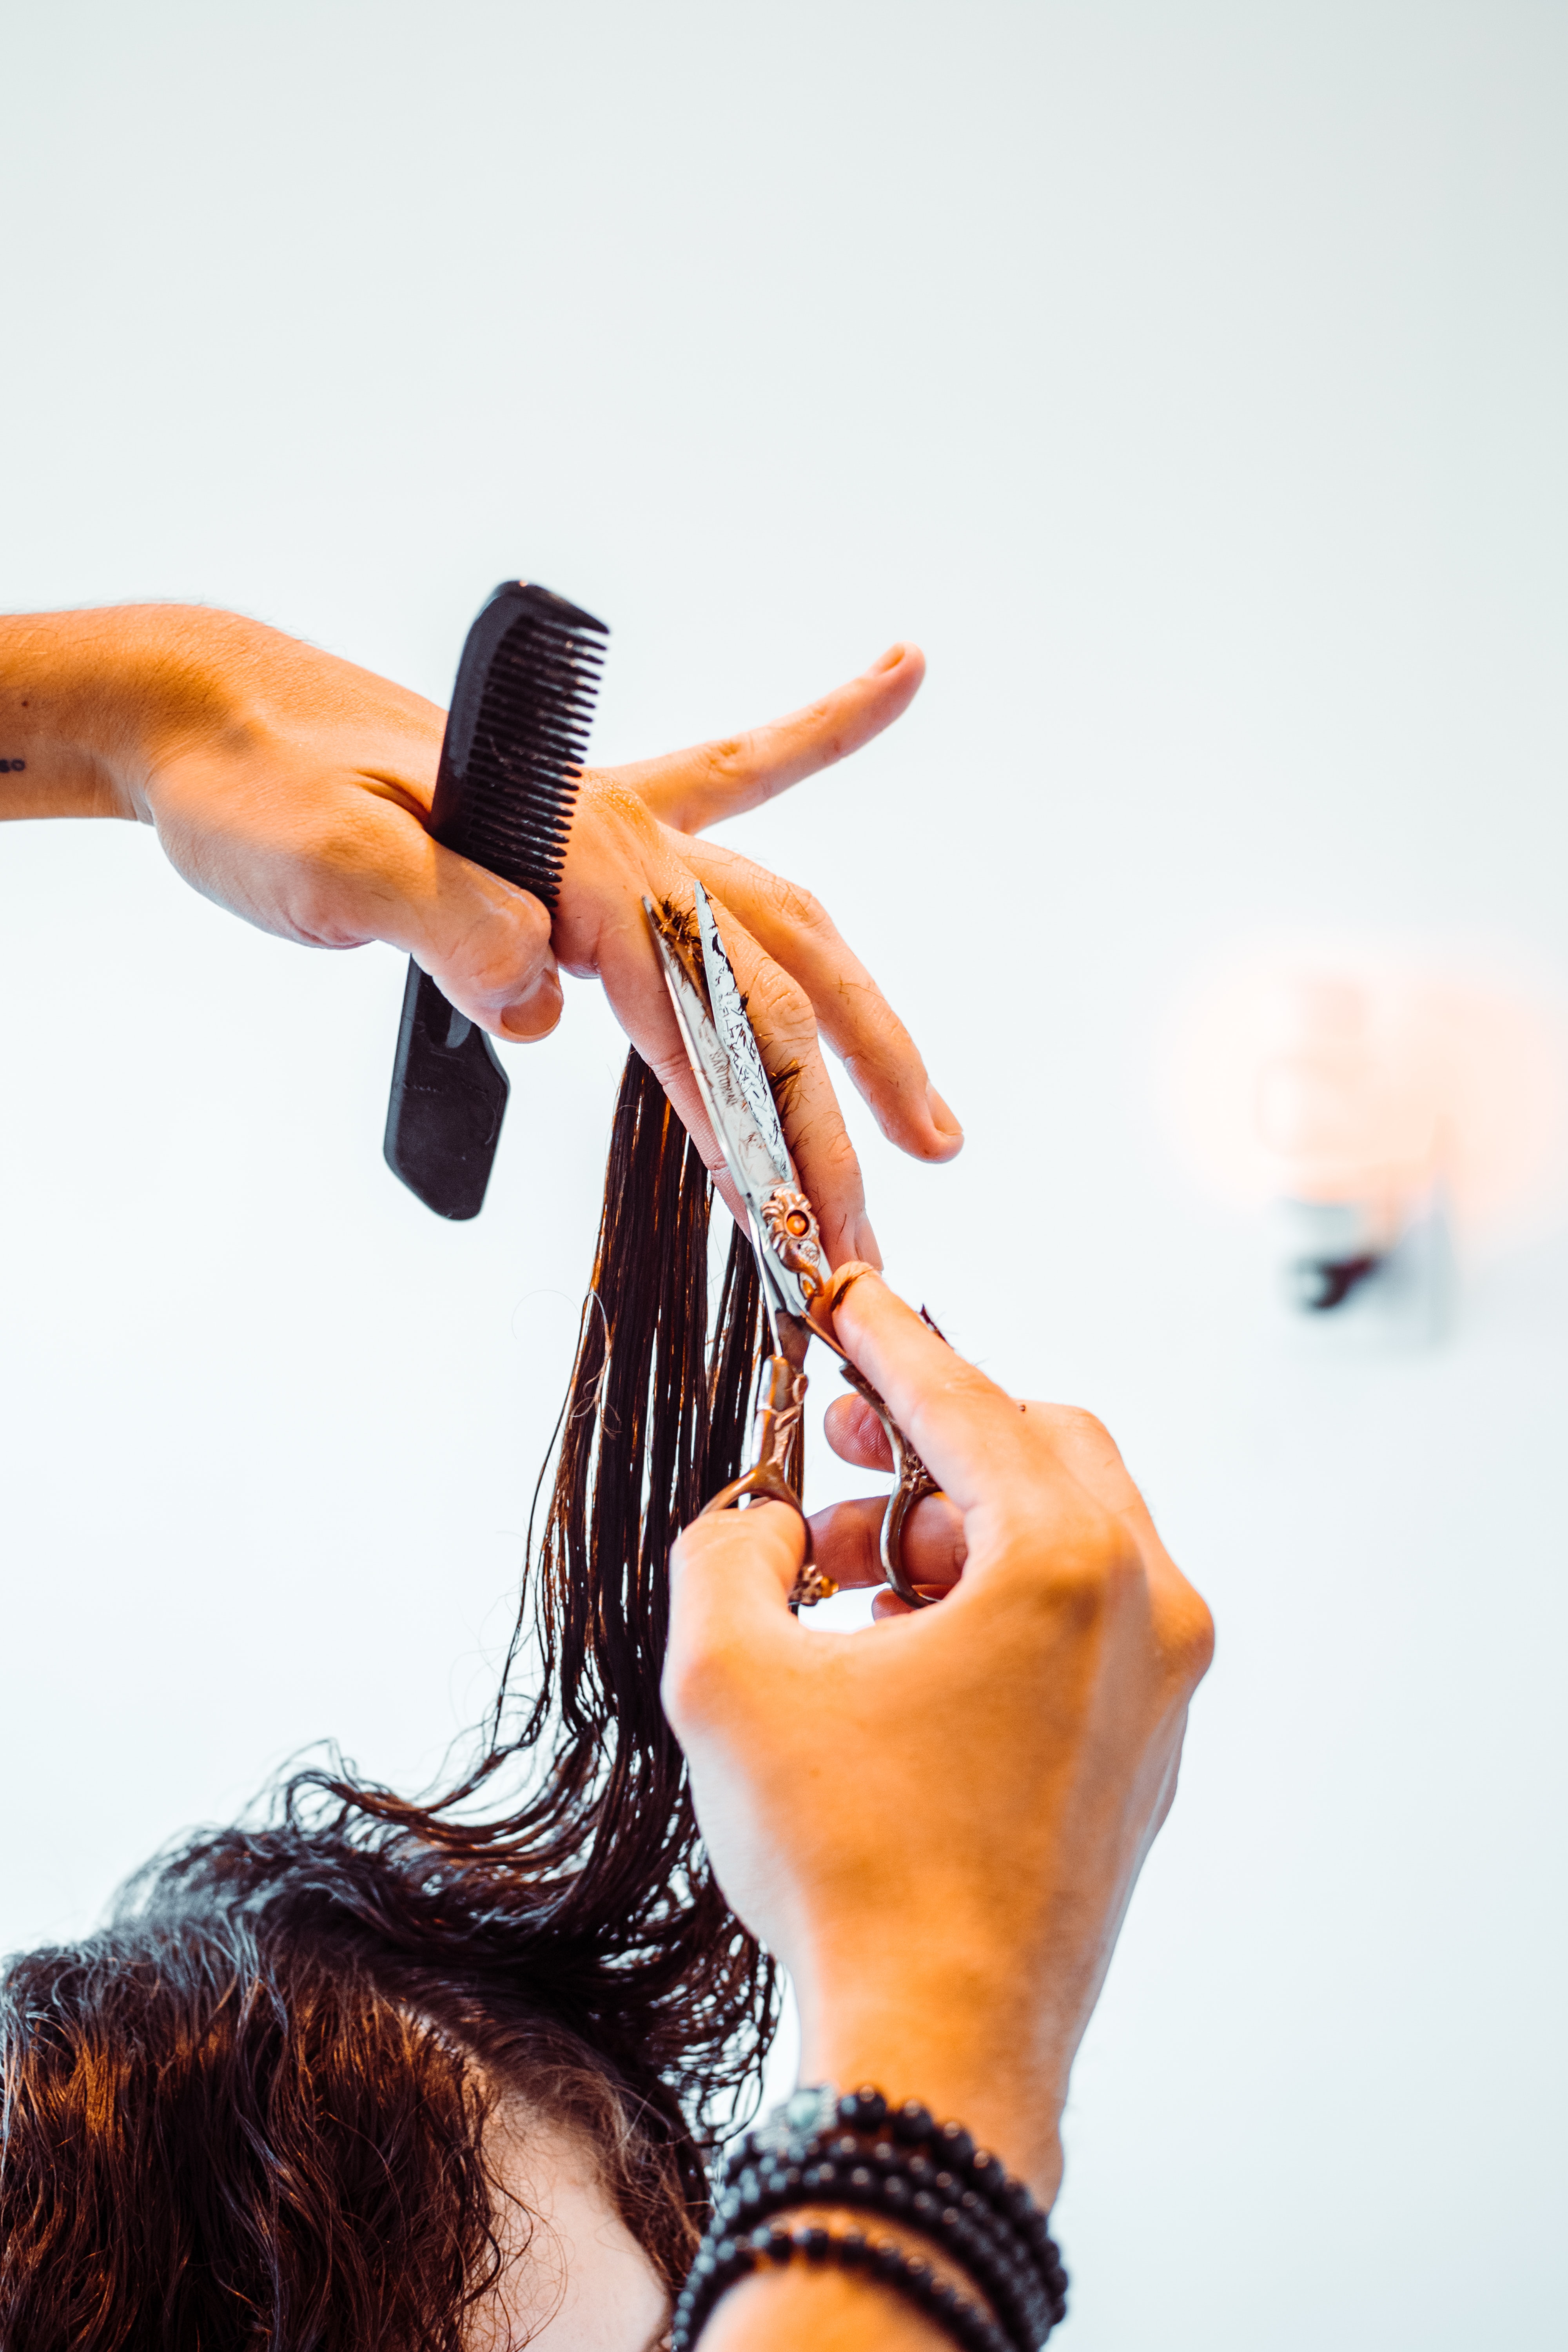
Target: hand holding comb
<point>510,763</point>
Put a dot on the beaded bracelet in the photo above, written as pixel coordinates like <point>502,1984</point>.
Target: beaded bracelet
<point>719,2265</point>
<point>914,2170</point>
<point>854,2151</point>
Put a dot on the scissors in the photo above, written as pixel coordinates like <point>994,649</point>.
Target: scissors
<point>711,1014</point>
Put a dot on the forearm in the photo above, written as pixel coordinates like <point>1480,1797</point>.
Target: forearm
<point>50,764</point>
<point>971,2057</point>
<point>88,700</point>
<point>73,690</point>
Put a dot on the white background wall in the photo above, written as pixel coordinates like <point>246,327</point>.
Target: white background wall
<point>1190,382</point>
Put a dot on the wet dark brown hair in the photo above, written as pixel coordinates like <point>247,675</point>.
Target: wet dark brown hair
<point>250,2112</point>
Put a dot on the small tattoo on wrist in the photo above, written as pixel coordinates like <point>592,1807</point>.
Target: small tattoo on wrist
<point>12,767</point>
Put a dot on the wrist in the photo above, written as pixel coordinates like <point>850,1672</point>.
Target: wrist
<point>960,2048</point>
<point>894,2195</point>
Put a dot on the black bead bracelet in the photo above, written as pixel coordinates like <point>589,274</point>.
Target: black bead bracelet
<point>719,2265</point>
<point>821,2148</point>
<point>920,2197</point>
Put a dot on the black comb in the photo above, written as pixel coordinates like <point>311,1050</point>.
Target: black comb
<point>510,763</point>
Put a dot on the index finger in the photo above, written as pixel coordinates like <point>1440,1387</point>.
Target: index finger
<point>695,788</point>
<point>976,1441</point>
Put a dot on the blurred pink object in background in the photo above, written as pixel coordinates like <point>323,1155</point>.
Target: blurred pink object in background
<point>1382,1106</point>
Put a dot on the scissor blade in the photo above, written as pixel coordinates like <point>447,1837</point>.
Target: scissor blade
<point>740,1040</point>
<point>746,1153</point>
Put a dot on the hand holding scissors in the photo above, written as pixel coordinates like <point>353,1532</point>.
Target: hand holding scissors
<point>798,1289</point>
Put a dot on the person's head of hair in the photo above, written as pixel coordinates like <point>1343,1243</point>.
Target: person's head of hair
<point>251,2111</point>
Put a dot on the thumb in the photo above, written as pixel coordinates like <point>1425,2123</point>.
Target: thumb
<point>730,1578</point>
<point>484,943</point>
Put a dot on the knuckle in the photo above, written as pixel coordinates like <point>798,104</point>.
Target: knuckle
<point>1081,1443</point>
<point>1101,1563</point>
<point>821,724</point>
<point>963,1384</point>
<point>726,760</point>
<point>833,1156</point>
<point>852,1544</point>
<point>781,1005</point>
<point>830,1169</point>
<point>1191,1635</point>
<point>686,1686</point>
<point>953,1395</point>
<point>792,907</point>
<point>1075,1430</point>
<point>326,870</point>
<point>1082,1569</point>
<point>496,957</point>
<point>609,806</point>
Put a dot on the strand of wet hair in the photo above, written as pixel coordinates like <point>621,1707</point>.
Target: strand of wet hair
<point>603,1844</point>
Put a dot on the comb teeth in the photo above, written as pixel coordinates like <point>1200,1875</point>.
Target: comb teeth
<point>509,807</point>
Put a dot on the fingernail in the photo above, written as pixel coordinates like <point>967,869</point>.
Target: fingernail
<point>536,1014</point>
<point>890,660</point>
<point>866,1246</point>
<point>942,1118</point>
